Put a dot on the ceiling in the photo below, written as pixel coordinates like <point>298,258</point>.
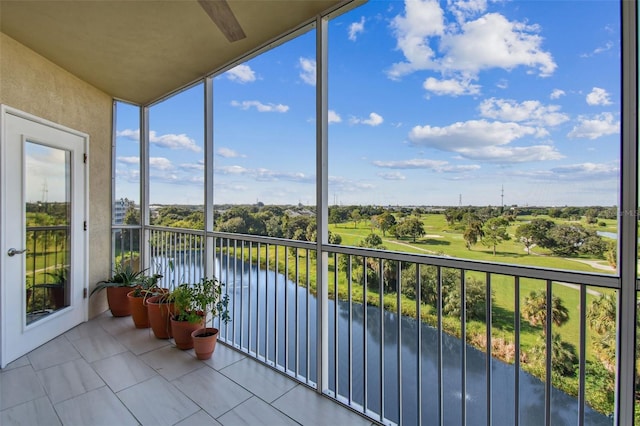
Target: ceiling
<point>141,50</point>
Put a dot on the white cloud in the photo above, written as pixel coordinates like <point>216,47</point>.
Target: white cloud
<point>492,41</point>
<point>356,28</point>
<point>131,134</point>
<point>557,93</point>
<point>199,166</point>
<point>598,96</point>
<point>528,112</point>
<point>262,174</point>
<point>160,163</point>
<point>272,175</point>
<point>422,19</point>
<point>465,9</point>
<point>129,160</point>
<point>241,74</point>
<point>231,170</point>
<point>173,141</point>
<point>575,172</point>
<point>485,141</point>
<point>451,87</point>
<point>229,153</point>
<point>334,117</point>
<point>260,107</point>
<point>392,176</point>
<point>468,47</point>
<point>439,166</point>
<point>512,154</point>
<point>595,127</point>
<point>308,73</point>
<point>469,134</point>
<point>416,163</point>
<point>342,184</point>
<point>169,140</point>
<point>588,170</point>
<point>607,46</point>
<point>459,168</point>
<point>373,120</point>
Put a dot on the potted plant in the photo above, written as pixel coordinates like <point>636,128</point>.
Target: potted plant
<point>192,303</point>
<point>118,286</point>
<point>209,299</point>
<point>56,288</point>
<point>160,307</point>
<point>145,288</point>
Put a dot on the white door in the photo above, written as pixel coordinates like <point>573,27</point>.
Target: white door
<point>43,242</point>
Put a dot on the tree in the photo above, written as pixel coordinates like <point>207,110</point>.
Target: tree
<point>273,226</point>
<point>234,225</point>
<point>591,215</point>
<point>453,215</point>
<point>386,221</point>
<point>495,232</point>
<point>524,234</point>
<point>594,245</point>
<point>612,254</point>
<point>568,239</point>
<point>337,214</point>
<point>555,213</point>
<point>131,237</point>
<point>332,238</point>
<point>295,224</point>
<point>475,291</point>
<point>564,359</point>
<point>473,232</point>
<point>534,310</point>
<point>412,227</point>
<point>475,300</point>
<point>355,217</point>
<point>601,318</point>
<point>540,229</point>
<point>372,241</point>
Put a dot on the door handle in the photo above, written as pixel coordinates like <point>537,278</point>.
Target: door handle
<point>12,252</point>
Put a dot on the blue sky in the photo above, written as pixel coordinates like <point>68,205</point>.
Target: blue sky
<point>430,103</point>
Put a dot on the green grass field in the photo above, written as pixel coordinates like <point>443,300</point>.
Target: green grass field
<point>440,239</point>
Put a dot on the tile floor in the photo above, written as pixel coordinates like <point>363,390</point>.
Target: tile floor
<point>105,372</point>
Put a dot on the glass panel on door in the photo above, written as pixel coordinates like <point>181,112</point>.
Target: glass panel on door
<point>47,179</point>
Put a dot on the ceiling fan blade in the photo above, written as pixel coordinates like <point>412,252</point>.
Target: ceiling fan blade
<point>222,15</point>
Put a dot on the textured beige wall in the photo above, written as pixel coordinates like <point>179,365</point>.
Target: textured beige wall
<point>33,84</point>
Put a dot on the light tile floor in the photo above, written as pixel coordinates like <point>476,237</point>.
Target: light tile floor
<point>105,372</point>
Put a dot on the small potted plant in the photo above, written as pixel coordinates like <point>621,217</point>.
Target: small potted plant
<point>57,287</point>
<point>192,304</point>
<point>146,287</point>
<point>118,286</point>
<point>160,308</point>
<point>209,299</point>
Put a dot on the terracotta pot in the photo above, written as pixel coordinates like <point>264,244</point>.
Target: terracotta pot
<point>138,311</point>
<point>159,316</point>
<point>182,330</point>
<point>118,302</point>
<point>204,342</point>
<point>57,296</point>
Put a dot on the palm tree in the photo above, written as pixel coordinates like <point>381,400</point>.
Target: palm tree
<point>563,355</point>
<point>535,309</point>
<point>601,317</point>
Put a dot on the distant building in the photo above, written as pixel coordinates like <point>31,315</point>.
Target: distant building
<point>120,208</point>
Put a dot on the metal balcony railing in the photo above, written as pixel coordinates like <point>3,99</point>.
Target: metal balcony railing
<point>411,339</point>
<point>47,260</point>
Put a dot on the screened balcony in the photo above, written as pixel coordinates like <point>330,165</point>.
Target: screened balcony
<point>351,333</point>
